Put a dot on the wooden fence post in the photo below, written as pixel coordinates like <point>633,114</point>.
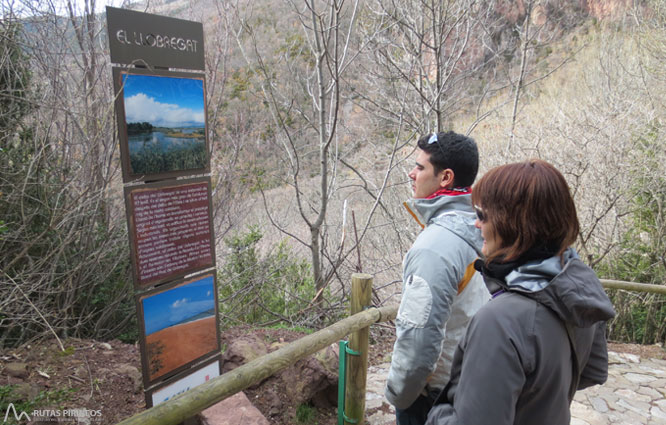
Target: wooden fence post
<point>357,364</point>
<point>190,403</point>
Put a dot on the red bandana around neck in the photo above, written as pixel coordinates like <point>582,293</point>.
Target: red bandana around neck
<point>451,192</point>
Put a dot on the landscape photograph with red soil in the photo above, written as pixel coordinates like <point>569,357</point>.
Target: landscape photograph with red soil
<point>179,325</point>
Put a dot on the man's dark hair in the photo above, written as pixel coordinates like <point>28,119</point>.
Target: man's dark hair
<point>454,151</point>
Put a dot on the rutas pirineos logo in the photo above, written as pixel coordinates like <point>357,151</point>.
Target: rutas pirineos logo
<point>51,415</point>
<point>17,416</point>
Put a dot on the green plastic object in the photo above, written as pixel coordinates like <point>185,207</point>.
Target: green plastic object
<point>342,381</point>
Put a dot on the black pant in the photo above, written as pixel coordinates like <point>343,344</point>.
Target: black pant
<point>417,413</point>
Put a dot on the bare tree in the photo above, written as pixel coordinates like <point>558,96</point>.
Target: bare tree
<point>599,119</point>
<point>541,26</point>
<point>428,60</point>
<point>66,261</point>
<point>302,78</point>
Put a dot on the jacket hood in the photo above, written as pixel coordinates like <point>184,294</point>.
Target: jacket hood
<point>572,291</point>
<point>454,213</point>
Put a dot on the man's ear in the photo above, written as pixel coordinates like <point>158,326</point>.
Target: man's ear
<point>447,177</point>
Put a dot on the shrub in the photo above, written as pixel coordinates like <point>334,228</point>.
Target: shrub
<point>64,268</point>
<point>305,414</point>
<point>277,287</point>
<point>641,317</point>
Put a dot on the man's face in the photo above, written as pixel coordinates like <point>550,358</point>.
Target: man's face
<point>424,180</point>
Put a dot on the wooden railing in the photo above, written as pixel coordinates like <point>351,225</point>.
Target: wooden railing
<point>187,405</point>
<point>631,286</point>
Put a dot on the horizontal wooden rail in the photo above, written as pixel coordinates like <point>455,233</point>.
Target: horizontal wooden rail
<point>188,404</point>
<point>217,389</point>
<point>631,286</point>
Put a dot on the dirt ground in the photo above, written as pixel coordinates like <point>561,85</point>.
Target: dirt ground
<point>645,351</point>
<point>106,376</point>
<point>98,376</point>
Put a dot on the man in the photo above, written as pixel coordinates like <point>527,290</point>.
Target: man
<point>441,290</point>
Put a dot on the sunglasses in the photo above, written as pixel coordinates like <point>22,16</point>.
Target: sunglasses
<point>433,139</point>
<point>480,214</point>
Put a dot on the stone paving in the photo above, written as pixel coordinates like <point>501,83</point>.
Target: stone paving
<point>635,393</point>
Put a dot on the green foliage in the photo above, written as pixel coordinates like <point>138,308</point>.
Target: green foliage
<point>115,288</point>
<point>240,84</point>
<point>291,328</point>
<point>8,394</point>
<point>258,290</point>
<point>305,414</point>
<point>255,179</point>
<point>542,52</point>
<point>154,159</point>
<point>15,77</point>
<point>59,249</point>
<point>642,317</point>
<point>294,46</point>
<point>67,352</point>
<point>131,333</point>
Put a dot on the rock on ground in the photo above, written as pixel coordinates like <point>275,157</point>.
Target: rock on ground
<point>234,410</point>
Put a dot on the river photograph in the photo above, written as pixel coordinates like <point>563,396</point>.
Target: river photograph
<point>165,121</point>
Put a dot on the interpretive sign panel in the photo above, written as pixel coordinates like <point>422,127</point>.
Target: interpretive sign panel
<point>179,325</point>
<point>170,229</point>
<point>175,386</point>
<point>163,136</point>
<point>158,41</point>
<point>161,124</point>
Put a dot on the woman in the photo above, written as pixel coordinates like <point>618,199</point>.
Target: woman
<point>542,335</point>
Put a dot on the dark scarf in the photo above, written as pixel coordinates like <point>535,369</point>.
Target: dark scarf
<point>498,269</point>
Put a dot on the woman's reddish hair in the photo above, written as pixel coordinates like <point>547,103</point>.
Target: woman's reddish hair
<point>528,205</point>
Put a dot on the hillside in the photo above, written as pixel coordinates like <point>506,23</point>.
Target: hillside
<point>308,189</point>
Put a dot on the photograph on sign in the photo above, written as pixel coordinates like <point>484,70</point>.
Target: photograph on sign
<point>170,229</point>
<point>193,377</point>
<point>179,326</point>
<point>162,125</point>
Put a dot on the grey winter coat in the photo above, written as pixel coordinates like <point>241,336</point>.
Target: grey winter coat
<point>441,292</point>
<point>514,365</point>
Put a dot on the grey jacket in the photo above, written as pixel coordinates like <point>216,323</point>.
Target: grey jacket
<point>433,316</point>
<point>514,365</point>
